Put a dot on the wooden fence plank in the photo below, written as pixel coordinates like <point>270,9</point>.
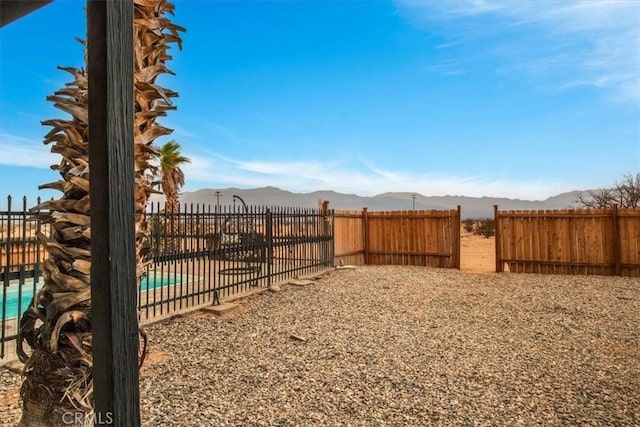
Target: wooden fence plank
<point>615,236</point>
<point>581,243</point>
<point>537,243</point>
<point>563,242</point>
<point>630,244</point>
<point>519,240</point>
<point>349,237</point>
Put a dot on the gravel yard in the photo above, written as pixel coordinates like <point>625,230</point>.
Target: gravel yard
<point>399,346</point>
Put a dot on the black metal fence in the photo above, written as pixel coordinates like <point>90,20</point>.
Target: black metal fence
<point>195,257</point>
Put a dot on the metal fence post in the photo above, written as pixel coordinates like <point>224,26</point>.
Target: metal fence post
<point>269,239</point>
<point>5,285</point>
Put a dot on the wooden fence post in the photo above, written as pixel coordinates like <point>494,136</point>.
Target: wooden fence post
<point>499,267</point>
<point>365,229</point>
<point>325,231</point>
<point>324,211</point>
<point>456,236</point>
<point>616,240</point>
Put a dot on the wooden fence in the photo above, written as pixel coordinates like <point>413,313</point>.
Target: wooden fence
<point>425,238</point>
<point>570,241</point>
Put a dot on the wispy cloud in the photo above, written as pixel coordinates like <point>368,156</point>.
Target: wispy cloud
<point>20,151</point>
<point>214,170</point>
<point>446,45</point>
<point>446,68</point>
<point>564,44</point>
<point>211,169</point>
<point>179,132</point>
<point>222,130</point>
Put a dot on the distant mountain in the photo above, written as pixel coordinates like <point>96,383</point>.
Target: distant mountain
<point>472,207</point>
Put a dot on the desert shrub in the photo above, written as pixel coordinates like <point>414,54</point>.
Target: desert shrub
<point>468,225</point>
<point>487,228</point>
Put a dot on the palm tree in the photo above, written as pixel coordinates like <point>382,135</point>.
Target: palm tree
<point>172,179</point>
<point>57,325</point>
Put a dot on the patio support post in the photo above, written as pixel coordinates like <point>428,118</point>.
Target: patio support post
<point>113,259</point>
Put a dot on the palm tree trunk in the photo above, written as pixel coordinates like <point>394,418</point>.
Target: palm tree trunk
<point>56,325</point>
<point>58,385</point>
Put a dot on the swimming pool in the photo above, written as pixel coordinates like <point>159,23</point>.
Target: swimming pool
<point>15,299</point>
<point>12,298</point>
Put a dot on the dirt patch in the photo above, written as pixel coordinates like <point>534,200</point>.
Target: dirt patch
<point>153,358</point>
<point>240,309</point>
<point>478,253</point>
<point>624,350</point>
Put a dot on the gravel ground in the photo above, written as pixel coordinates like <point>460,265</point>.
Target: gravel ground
<point>403,346</point>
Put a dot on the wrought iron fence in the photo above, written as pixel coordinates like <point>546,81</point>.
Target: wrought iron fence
<point>195,256</point>
<point>20,256</point>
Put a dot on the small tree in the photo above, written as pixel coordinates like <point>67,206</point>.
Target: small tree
<point>625,193</point>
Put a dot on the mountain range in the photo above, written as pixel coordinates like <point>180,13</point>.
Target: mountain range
<point>472,207</point>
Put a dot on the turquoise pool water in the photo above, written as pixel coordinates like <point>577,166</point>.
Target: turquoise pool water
<point>12,292</point>
<point>157,281</point>
<point>12,297</point>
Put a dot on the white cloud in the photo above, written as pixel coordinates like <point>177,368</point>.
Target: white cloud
<point>213,170</point>
<point>564,44</point>
<point>210,169</point>
<point>301,168</point>
<point>20,151</point>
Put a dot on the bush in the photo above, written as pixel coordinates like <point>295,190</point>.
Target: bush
<point>468,225</point>
<point>487,228</point>
<point>480,227</point>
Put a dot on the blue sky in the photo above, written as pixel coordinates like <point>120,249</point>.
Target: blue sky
<point>521,99</point>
